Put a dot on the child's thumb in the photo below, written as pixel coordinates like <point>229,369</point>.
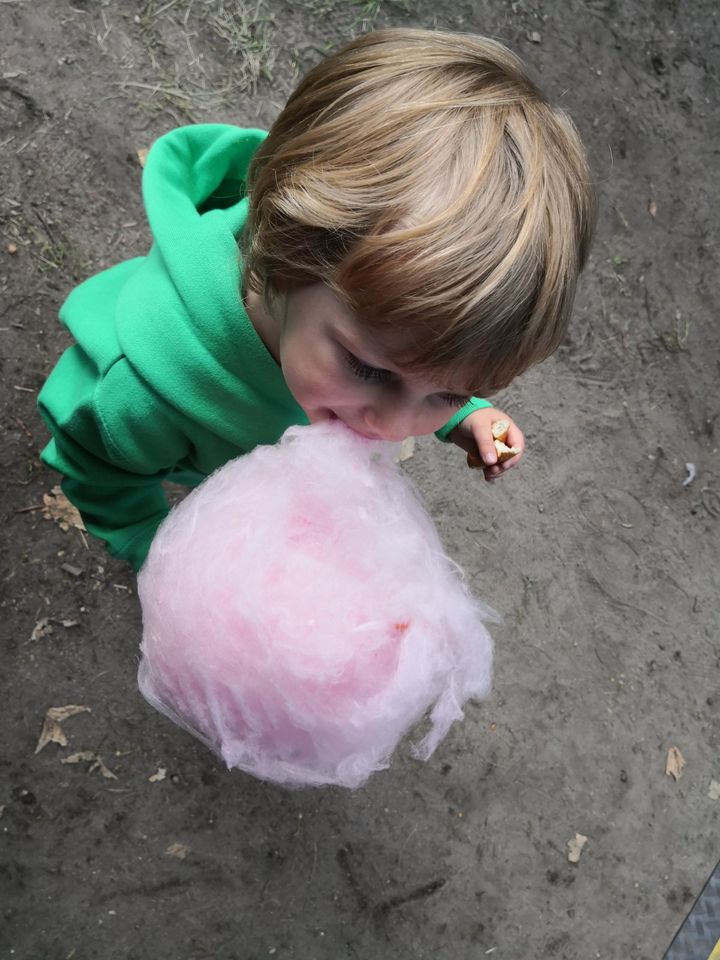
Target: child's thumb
<point>485,457</point>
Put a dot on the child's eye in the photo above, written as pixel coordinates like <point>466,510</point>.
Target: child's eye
<point>364,371</point>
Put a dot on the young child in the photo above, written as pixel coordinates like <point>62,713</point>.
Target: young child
<point>408,234</point>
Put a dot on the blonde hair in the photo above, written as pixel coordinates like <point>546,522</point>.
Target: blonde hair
<point>425,178</point>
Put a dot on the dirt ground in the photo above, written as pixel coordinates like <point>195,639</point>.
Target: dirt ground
<point>600,554</point>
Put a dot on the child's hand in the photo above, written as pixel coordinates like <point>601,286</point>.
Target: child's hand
<point>474,435</point>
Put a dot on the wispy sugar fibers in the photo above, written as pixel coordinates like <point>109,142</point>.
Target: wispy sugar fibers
<point>300,615</point>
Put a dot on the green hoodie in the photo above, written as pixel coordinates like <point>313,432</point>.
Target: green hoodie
<point>168,379</point>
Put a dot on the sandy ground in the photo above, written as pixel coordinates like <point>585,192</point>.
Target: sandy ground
<point>603,562</point>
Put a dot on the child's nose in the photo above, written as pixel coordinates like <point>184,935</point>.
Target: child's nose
<point>391,422</point>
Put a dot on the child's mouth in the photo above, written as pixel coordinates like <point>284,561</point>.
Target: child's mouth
<point>362,433</point>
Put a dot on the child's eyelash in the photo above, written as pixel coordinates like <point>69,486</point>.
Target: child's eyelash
<point>366,372</point>
<point>453,400</point>
<point>363,370</point>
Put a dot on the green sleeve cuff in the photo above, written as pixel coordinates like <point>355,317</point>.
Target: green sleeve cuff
<point>125,518</point>
<point>473,404</point>
<point>133,543</point>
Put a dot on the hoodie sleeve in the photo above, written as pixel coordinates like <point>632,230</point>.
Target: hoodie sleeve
<point>161,378</point>
<point>114,441</point>
<point>473,404</point>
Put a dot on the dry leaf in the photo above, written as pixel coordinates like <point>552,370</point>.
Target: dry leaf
<point>52,732</point>
<point>575,847</point>
<point>79,757</point>
<point>407,450</point>
<point>652,208</point>
<point>95,761</point>
<point>157,777</point>
<point>714,791</point>
<point>674,763</point>
<point>99,765</point>
<point>57,507</point>
<point>178,850</point>
<point>43,628</point>
<point>64,713</point>
<point>141,154</point>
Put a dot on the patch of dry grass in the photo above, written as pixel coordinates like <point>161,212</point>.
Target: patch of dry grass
<point>247,32</point>
<point>177,36</point>
<point>203,55</point>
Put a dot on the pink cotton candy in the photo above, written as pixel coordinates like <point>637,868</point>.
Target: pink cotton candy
<point>300,615</point>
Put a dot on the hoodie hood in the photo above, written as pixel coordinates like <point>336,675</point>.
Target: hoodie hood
<point>180,317</point>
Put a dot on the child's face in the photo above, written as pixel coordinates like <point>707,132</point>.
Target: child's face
<point>335,370</point>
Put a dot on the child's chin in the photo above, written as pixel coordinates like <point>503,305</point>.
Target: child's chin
<point>321,416</point>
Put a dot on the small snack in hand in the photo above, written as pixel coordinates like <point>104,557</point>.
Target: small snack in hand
<point>500,431</point>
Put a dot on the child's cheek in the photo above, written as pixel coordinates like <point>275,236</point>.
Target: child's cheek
<point>434,422</point>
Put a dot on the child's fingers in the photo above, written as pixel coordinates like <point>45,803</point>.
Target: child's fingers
<point>485,456</point>
<point>486,450</point>
<point>511,462</point>
<point>491,471</point>
<point>478,462</point>
<point>515,438</point>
